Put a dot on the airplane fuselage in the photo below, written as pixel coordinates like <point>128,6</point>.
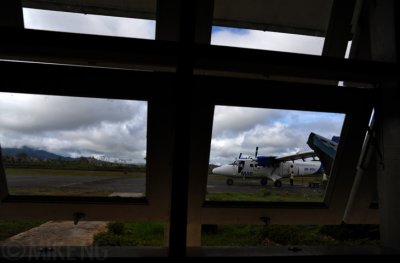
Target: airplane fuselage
<point>249,168</point>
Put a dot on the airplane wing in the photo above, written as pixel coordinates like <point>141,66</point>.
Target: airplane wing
<point>296,156</point>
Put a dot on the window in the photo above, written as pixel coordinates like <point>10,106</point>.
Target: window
<point>279,141</point>
<point>72,146</point>
<point>88,24</point>
<point>273,41</point>
<point>271,25</point>
<point>179,132</point>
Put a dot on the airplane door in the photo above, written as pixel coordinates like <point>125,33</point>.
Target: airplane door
<point>291,169</point>
<point>240,166</point>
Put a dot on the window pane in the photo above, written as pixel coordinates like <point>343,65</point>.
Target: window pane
<point>54,145</point>
<point>265,40</point>
<point>89,24</point>
<point>287,25</point>
<point>278,142</point>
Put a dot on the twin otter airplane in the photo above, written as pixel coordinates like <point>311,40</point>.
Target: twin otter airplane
<point>270,168</point>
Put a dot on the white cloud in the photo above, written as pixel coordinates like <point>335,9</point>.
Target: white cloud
<point>275,132</point>
<point>74,126</point>
<point>256,39</point>
<point>89,24</point>
<point>228,120</point>
<point>36,113</point>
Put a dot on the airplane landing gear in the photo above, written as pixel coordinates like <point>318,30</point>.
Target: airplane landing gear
<point>229,182</point>
<point>278,183</point>
<point>264,181</point>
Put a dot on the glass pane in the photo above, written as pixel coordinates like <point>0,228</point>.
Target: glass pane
<point>55,145</point>
<point>265,155</point>
<point>264,40</point>
<point>286,25</point>
<point>89,24</point>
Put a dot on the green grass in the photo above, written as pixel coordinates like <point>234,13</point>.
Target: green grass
<point>284,235</point>
<point>267,196</point>
<point>131,234</point>
<point>54,172</point>
<point>231,235</point>
<point>298,180</point>
<point>10,228</point>
<point>152,234</point>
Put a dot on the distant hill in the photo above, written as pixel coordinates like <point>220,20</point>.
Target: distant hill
<point>33,153</point>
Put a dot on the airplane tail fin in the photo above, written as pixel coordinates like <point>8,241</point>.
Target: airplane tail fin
<point>256,152</point>
<point>324,148</point>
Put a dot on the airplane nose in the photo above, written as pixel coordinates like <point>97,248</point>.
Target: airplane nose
<point>216,170</point>
<point>223,170</point>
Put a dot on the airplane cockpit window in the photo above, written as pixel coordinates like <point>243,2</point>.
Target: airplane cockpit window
<point>73,146</point>
<point>293,162</point>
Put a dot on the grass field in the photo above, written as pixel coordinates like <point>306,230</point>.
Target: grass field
<point>274,194</point>
<point>131,234</point>
<point>299,180</point>
<point>152,234</point>
<point>266,196</point>
<point>39,172</point>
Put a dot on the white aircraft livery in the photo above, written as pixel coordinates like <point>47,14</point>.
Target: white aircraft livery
<point>270,168</point>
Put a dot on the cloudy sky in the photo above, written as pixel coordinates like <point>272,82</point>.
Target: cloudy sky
<point>276,132</point>
<point>117,128</point>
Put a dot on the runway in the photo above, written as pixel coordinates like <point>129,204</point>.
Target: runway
<point>129,184</point>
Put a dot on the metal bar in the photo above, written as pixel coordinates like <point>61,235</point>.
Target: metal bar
<point>339,29</point>
<point>229,59</point>
<point>181,159</point>
<point>142,9</point>
<point>87,50</point>
<point>76,81</point>
<point>11,14</point>
<point>42,78</point>
<point>30,45</point>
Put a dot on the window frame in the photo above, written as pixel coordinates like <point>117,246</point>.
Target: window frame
<point>154,206</point>
<point>143,9</point>
<point>210,63</point>
<point>328,212</point>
